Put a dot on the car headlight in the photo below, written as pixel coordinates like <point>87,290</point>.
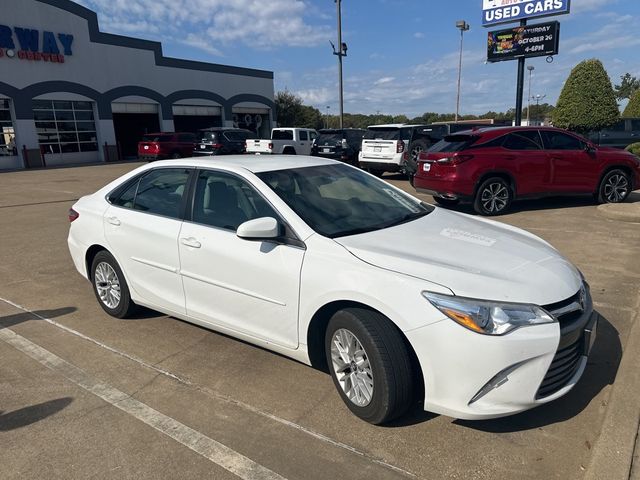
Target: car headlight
<point>489,318</point>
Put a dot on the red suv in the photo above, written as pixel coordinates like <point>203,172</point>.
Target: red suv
<point>156,146</point>
<point>491,167</point>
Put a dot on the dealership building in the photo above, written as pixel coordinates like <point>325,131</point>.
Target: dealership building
<point>70,94</point>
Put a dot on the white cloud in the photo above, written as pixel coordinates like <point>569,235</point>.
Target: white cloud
<point>418,35</point>
<point>211,25</point>
<point>384,80</point>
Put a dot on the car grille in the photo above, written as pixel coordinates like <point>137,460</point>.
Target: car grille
<point>567,359</point>
<point>563,367</point>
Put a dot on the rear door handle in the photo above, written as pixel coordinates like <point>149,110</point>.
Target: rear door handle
<point>190,242</point>
<point>114,221</point>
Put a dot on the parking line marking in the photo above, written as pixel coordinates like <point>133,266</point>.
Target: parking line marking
<point>216,395</point>
<point>210,449</point>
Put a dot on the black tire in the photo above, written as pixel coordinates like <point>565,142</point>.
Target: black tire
<point>377,173</point>
<point>493,197</point>
<point>388,359</point>
<point>175,155</point>
<point>418,146</point>
<point>614,187</point>
<point>125,306</point>
<point>288,151</point>
<point>446,202</point>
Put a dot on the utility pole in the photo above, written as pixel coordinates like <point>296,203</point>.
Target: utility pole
<point>531,68</point>
<point>341,52</point>
<point>520,85</point>
<point>463,26</point>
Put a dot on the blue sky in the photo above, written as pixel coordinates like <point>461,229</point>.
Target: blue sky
<point>402,57</point>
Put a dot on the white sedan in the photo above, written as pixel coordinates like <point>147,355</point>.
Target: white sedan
<point>319,261</point>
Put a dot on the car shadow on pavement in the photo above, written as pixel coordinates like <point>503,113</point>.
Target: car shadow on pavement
<point>601,371</point>
<point>30,415</point>
<point>15,319</point>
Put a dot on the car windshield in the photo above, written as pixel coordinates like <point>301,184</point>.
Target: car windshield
<point>208,137</point>
<point>329,138</point>
<point>156,138</point>
<point>338,200</point>
<point>454,143</point>
<point>382,134</point>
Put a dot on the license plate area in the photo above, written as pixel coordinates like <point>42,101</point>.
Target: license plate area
<point>426,167</point>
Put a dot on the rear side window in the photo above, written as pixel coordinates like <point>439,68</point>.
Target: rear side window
<point>160,192</point>
<point>525,140</point>
<point>304,135</point>
<point>454,143</point>
<point>561,141</point>
<point>124,197</point>
<point>382,134</point>
<point>282,135</point>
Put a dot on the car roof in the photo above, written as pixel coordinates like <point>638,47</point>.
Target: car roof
<point>252,163</point>
<point>395,125</point>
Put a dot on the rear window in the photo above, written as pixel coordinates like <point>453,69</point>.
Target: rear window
<point>209,137</point>
<point>382,134</point>
<point>454,143</point>
<point>282,135</point>
<point>157,138</point>
<point>329,138</point>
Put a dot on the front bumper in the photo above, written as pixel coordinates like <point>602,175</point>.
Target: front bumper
<point>474,377</point>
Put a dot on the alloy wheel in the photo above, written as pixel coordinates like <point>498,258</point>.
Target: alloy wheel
<point>352,367</point>
<point>494,197</point>
<point>616,188</point>
<point>108,285</point>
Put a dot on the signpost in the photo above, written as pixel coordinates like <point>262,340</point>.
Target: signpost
<point>495,12</point>
<point>539,40</point>
<point>522,42</point>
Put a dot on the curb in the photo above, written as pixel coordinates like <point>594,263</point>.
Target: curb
<point>622,212</point>
<point>614,451</point>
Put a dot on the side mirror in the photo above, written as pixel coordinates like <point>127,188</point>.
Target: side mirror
<point>265,228</point>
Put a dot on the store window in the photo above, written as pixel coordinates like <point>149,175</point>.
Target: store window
<point>7,133</point>
<point>65,126</point>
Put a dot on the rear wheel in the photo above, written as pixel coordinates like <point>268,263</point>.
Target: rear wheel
<point>175,155</point>
<point>415,149</point>
<point>288,151</point>
<point>493,197</point>
<point>377,173</point>
<point>615,187</point>
<point>369,364</point>
<point>110,286</point>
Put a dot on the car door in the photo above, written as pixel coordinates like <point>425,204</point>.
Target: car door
<point>304,143</point>
<point>573,167</point>
<point>251,287</point>
<point>523,155</point>
<point>141,227</point>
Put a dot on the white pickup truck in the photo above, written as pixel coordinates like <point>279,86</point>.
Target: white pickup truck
<point>287,141</point>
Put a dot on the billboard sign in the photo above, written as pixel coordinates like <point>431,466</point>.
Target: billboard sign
<point>522,42</point>
<point>506,11</point>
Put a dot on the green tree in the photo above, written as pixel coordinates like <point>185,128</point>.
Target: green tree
<point>633,108</point>
<point>291,112</point>
<point>587,101</point>
<point>628,86</point>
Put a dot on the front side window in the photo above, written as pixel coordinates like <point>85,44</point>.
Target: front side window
<point>561,141</point>
<point>304,136</point>
<point>7,132</point>
<point>337,200</point>
<point>226,201</point>
<point>65,126</point>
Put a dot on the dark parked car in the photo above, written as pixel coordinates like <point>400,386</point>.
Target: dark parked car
<point>625,132</point>
<point>222,141</point>
<point>343,145</point>
<point>156,146</point>
<point>492,167</point>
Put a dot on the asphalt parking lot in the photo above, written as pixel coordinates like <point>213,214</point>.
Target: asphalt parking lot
<point>84,395</point>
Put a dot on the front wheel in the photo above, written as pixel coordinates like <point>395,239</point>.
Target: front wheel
<point>369,365</point>
<point>493,197</point>
<point>615,187</point>
<point>110,286</point>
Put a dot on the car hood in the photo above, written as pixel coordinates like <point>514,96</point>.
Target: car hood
<point>472,257</point>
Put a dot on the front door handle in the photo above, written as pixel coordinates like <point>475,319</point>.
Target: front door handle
<point>114,221</point>
<point>190,242</point>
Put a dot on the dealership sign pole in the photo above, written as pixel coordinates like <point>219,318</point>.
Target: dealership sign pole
<point>523,41</point>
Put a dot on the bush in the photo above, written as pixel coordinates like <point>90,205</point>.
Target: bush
<point>634,148</point>
<point>587,101</point>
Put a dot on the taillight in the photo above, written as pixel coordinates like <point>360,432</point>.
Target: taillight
<point>400,147</point>
<point>454,160</point>
<point>217,145</point>
<point>271,146</point>
<point>155,147</point>
<point>73,215</point>
<point>344,143</point>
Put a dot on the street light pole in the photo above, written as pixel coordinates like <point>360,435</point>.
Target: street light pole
<point>342,52</point>
<point>538,99</point>
<point>463,26</point>
<point>327,119</point>
<point>531,68</point>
